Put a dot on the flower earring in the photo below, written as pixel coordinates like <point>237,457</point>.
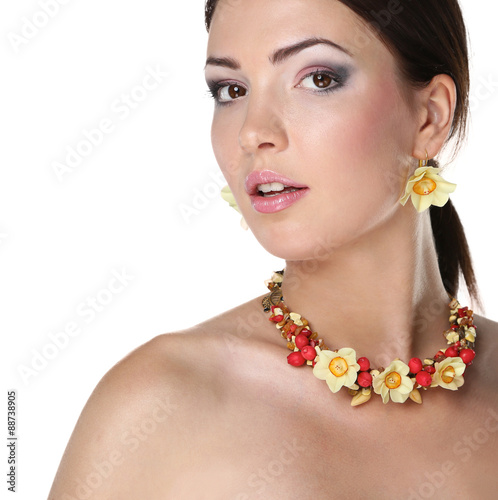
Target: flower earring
<point>426,187</point>
<point>228,196</point>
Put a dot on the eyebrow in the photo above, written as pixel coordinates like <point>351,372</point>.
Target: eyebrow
<point>280,55</point>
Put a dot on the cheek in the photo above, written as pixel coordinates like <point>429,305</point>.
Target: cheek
<point>224,139</point>
<point>356,144</point>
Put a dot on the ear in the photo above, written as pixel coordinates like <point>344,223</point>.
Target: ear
<point>437,108</point>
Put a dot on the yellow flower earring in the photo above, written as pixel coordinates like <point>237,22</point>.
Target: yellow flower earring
<point>426,187</point>
<point>228,196</point>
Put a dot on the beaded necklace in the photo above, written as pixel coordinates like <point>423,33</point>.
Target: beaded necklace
<point>341,368</point>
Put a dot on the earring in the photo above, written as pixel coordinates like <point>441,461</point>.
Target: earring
<point>426,187</point>
<point>228,196</point>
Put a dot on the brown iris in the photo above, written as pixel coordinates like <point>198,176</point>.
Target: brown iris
<point>235,91</point>
<point>321,80</point>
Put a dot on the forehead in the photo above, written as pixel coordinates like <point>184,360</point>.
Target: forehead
<point>248,27</point>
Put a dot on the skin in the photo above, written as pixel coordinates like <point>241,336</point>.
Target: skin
<point>232,419</point>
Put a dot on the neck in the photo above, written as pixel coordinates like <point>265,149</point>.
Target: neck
<point>381,295</point>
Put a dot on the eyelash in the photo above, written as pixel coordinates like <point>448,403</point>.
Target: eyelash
<point>215,87</point>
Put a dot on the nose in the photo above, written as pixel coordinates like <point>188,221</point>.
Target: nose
<point>263,128</point>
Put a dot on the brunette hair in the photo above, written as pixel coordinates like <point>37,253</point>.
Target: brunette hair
<point>428,38</point>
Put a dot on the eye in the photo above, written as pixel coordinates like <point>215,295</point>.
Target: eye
<point>320,79</point>
<point>223,93</point>
<point>232,91</point>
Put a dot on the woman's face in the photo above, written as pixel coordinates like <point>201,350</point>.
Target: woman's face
<point>331,116</point>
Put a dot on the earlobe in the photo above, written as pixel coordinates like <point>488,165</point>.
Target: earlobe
<point>438,108</point>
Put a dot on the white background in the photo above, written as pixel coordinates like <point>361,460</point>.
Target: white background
<point>120,208</point>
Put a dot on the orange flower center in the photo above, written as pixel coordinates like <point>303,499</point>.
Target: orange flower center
<point>448,375</point>
<point>338,366</point>
<point>393,380</point>
<point>425,186</point>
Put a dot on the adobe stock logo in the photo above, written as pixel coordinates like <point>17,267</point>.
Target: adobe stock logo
<point>31,27</point>
<point>88,310</point>
<point>201,199</point>
<point>83,488</point>
<point>482,90</point>
<point>122,107</point>
<point>269,473</point>
<point>466,445</point>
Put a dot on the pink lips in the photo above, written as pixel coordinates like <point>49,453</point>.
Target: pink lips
<point>266,177</point>
<point>276,203</point>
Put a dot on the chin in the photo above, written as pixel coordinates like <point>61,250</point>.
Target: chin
<point>294,244</point>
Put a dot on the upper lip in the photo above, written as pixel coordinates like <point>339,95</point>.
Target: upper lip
<point>266,177</point>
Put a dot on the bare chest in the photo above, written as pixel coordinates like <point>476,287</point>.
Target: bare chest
<point>277,443</point>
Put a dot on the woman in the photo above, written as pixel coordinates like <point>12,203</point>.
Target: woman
<point>337,104</point>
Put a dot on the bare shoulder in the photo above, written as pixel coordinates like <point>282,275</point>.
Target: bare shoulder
<point>137,411</point>
<point>487,351</point>
<point>144,413</point>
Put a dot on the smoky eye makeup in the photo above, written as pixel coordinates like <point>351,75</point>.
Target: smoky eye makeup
<point>319,79</point>
<point>323,78</point>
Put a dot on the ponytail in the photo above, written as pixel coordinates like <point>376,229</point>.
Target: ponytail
<point>453,251</point>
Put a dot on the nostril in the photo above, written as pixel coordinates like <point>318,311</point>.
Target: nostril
<point>266,145</point>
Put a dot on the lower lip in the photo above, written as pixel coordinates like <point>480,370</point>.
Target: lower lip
<point>272,204</point>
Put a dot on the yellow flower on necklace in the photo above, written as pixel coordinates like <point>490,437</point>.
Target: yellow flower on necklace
<point>227,195</point>
<point>426,187</point>
<point>338,369</point>
<point>452,336</point>
<point>470,334</point>
<point>449,373</point>
<point>393,382</point>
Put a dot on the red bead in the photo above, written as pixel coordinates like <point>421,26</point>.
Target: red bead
<point>467,355</point>
<point>313,343</point>
<point>296,358</point>
<point>462,312</point>
<point>451,352</point>
<point>306,332</point>
<point>292,328</point>
<point>308,352</point>
<point>429,369</point>
<point>458,344</point>
<point>455,327</point>
<point>364,365</point>
<point>439,354</point>
<point>301,341</point>
<point>364,379</point>
<point>415,365</point>
<point>424,378</point>
<point>277,319</point>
